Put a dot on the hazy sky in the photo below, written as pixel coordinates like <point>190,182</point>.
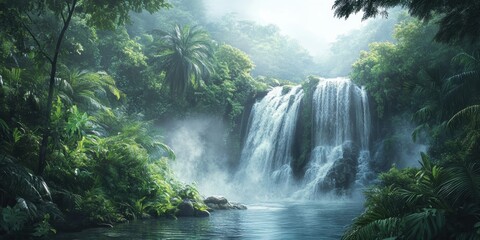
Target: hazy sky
<point>311,22</point>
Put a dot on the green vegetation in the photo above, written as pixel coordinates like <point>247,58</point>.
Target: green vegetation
<point>78,144</point>
<point>435,85</point>
<point>185,55</point>
<point>81,94</point>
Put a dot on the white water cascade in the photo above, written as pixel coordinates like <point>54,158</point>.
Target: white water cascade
<point>340,141</point>
<point>341,130</point>
<point>266,155</point>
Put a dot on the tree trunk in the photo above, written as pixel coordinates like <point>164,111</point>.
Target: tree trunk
<point>42,163</point>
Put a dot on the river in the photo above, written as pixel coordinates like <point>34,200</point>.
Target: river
<point>272,220</point>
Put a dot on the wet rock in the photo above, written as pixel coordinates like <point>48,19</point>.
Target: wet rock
<point>221,203</point>
<point>215,200</point>
<point>185,209</point>
<point>341,176</point>
<point>238,206</point>
<point>201,213</point>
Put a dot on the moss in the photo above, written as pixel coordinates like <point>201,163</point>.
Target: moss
<point>286,89</point>
<point>303,132</point>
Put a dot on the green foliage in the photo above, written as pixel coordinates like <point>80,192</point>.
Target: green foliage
<point>237,62</point>
<point>31,201</point>
<point>185,55</point>
<point>275,55</point>
<point>401,77</point>
<point>13,219</point>
<point>429,203</point>
<point>88,90</point>
<point>347,47</point>
<point>456,19</point>
<point>98,208</point>
<point>43,228</point>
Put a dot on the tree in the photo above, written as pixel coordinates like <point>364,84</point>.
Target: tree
<point>88,90</point>
<point>458,20</point>
<point>186,57</point>
<point>20,19</point>
<point>274,54</point>
<point>237,62</point>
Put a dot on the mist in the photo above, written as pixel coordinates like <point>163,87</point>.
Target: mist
<point>202,156</point>
<point>310,22</point>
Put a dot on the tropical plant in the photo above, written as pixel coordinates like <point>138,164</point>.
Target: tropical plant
<point>433,202</point>
<point>25,200</point>
<point>22,20</point>
<point>185,54</point>
<point>463,91</point>
<point>456,19</point>
<point>88,90</point>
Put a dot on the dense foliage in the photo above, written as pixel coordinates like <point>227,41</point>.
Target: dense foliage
<point>275,55</point>
<point>457,20</point>
<point>81,94</point>
<point>436,86</point>
<point>94,123</point>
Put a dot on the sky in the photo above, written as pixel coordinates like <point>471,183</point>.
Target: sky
<point>310,22</point>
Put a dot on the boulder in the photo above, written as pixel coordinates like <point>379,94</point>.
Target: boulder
<point>221,203</point>
<point>238,206</point>
<point>341,176</point>
<point>185,209</point>
<point>201,213</point>
<point>216,200</point>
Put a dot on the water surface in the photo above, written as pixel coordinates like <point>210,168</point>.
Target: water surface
<point>282,220</point>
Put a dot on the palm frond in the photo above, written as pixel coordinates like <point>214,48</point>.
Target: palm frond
<point>463,183</point>
<point>426,224</point>
<point>419,130</point>
<point>29,191</point>
<point>468,114</point>
<point>387,228</point>
<point>467,60</point>
<point>186,57</point>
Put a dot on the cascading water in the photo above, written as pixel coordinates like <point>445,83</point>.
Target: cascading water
<point>340,141</point>
<point>266,155</point>
<point>341,129</point>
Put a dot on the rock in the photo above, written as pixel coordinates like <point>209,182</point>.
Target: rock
<point>185,209</point>
<point>216,200</point>
<point>201,213</point>
<point>238,206</point>
<point>341,176</point>
<point>221,203</point>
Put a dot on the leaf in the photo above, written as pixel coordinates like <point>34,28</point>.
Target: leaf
<point>468,114</point>
<point>424,225</point>
<point>17,135</point>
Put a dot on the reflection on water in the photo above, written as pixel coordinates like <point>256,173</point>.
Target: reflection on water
<point>285,220</point>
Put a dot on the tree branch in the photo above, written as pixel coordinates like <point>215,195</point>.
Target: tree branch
<point>42,51</point>
<point>63,17</point>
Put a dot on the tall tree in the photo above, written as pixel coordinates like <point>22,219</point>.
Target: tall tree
<point>458,20</point>
<point>186,57</point>
<point>20,19</point>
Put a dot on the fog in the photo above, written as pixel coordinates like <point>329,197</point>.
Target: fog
<point>310,22</point>
<point>201,154</point>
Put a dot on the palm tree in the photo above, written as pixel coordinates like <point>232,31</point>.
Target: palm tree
<point>88,90</point>
<point>464,87</point>
<point>186,57</point>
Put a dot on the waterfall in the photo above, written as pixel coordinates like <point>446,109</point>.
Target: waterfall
<point>266,155</point>
<point>340,129</point>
